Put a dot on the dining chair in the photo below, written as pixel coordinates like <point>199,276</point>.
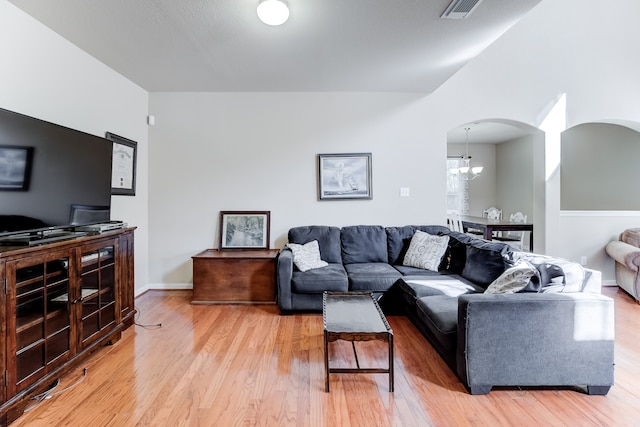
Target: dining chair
<point>455,223</point>
<point>495,214</point>
<point>514,238</point>
<point>492,213</point>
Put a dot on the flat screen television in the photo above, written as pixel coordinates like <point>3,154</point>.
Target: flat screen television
<point>47,169</point>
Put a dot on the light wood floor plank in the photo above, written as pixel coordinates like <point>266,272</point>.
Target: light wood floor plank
<point>236,365</point>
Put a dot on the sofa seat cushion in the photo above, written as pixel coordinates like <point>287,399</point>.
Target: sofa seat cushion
<point>405,270</point>
<point>371,276</point>
<point>333,277</point>
<point>423,286</point>
<point>439,316</point>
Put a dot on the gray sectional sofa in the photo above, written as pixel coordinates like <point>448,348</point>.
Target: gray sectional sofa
<point>559,332</point>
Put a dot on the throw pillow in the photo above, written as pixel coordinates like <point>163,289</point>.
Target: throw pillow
<point>425,251</point>
<point>455,256</point>
<point>514,279</point>
<point>483,265</point>
<point>307,256</point>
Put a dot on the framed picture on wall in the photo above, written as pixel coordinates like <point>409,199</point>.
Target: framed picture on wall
<point>244,230</point>
<point>15,167</point>
<point>123,167</point>
<point>344,176</point>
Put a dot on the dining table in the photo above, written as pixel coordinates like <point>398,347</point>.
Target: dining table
<point>489,226</point>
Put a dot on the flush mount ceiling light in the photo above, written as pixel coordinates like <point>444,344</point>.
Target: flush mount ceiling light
<point>273,12</point>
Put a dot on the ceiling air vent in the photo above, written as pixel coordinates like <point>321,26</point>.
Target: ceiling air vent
<point>460,9</point>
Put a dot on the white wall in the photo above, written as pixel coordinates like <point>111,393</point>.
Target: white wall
<point>228,151</point>
<point>600,168</point>
<point>257,151</point>
<point>44,76</point>
<point>586,231</point>
<point>514,182</point>
<point>515,179</point>
<point>482,190</point>
<point>237,151</point>
<point>581,48</point>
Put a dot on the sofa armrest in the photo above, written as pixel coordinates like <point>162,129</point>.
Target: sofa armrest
<point>593,281</point>
<point>284,274</point>
<point>535,340</point>
<point>625,254</point>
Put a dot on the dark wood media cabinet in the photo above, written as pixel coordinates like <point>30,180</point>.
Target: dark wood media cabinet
<point>61,302</point>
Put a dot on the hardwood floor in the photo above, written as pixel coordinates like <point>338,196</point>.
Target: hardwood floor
<point>227,365</point>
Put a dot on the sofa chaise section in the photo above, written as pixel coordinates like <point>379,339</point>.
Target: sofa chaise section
<point>535,339</point>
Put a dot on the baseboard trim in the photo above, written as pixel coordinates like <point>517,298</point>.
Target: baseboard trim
<point>164,287</point>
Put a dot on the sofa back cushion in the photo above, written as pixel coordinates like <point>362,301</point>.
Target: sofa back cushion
<point>328,240</point>
<point>484,261</point>
<point>399,238</point>
<point>363,243</point>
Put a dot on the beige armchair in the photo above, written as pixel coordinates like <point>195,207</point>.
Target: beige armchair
<point>626,253</point>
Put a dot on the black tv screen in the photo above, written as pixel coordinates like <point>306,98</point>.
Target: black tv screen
<point>45,169</point>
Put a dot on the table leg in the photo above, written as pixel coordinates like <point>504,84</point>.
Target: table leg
<point>326,363</point>
<point>488,233</point>
<point>531,241</point>
<point>391,363</point>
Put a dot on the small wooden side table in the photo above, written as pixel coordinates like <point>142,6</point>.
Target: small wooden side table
<point>234,277</point>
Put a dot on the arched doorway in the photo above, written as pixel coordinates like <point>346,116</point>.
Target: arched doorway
<point>512,156</point>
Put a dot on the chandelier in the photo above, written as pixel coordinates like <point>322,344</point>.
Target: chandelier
<point>467,171</point>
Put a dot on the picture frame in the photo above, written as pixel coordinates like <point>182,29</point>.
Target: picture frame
<point>344,176</point>
<point>244,230</point>
<point>123,166</point>
<point>15,167</point>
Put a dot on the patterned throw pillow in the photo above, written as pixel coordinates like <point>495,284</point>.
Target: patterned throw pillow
<point>307,256</point>
<point>514,279</point>
<point>425,251</point>
<point>574,274</point>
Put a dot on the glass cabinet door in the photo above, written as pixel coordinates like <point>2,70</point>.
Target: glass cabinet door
<point>97,291</point>
<point>43,317</point>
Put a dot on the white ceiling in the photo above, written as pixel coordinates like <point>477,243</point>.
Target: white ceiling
<point>327,45</point>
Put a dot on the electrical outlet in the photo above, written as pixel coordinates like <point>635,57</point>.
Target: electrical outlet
<point>583,260</point>
<point>405,192</point>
